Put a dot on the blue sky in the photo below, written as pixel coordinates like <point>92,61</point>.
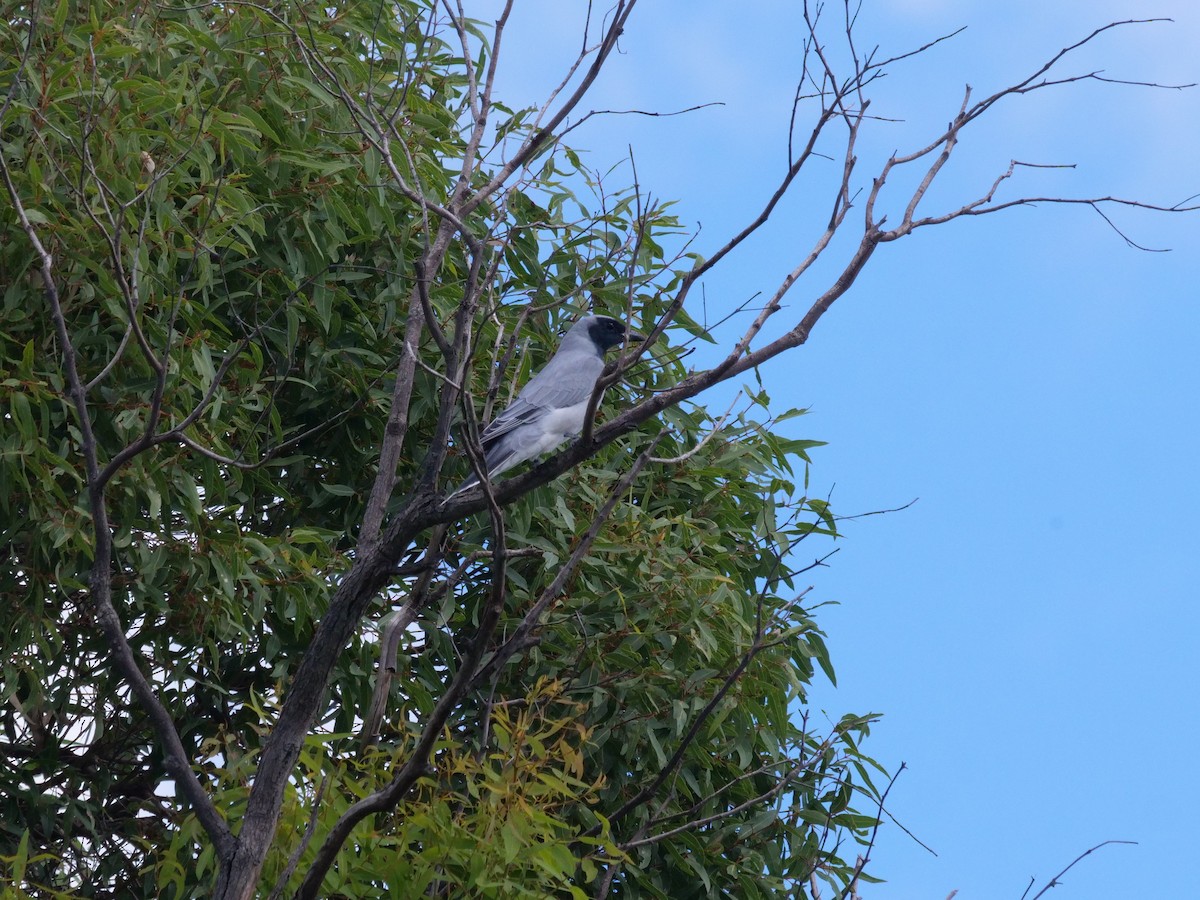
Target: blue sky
<point>1029,626</point>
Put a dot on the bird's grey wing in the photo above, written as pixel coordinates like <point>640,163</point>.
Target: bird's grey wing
<point>564,382</point>
<point>517,413</point>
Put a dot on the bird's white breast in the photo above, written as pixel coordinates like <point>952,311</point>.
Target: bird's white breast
<point>560,424</point>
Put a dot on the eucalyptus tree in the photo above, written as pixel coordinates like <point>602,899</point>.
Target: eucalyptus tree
<point>267,269</point>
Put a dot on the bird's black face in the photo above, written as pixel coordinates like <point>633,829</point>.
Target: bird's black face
<point>607,333</point>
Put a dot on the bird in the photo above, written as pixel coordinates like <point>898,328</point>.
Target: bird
<point>550,409</point>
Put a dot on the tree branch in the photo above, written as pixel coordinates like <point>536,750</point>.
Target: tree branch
<point>418,761</point>
<point>1054,882</point>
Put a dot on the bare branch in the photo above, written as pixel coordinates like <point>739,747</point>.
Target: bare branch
<point>635,112</point>
<point>1055,881</point>
<point>396,429</point>
<point>918,51</point>
<point>984,206</point>
<point>534,143</point>
<point>866,856</point>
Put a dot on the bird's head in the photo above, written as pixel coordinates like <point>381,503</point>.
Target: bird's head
<point>606,332</point>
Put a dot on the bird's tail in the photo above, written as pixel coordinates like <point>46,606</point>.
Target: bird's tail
<point>469,482</point>
<point>496,459</point>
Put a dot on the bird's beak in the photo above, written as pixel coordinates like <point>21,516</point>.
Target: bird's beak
<point>634,337</point>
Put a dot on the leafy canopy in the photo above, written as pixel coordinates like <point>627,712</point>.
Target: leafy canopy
<point>235,269</point>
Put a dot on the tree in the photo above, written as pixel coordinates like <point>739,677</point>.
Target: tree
<point>268,268</point>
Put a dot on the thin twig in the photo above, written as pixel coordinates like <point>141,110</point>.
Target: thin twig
<point>861,864</point>
<point>1054,882</point>
<point>294,859</point>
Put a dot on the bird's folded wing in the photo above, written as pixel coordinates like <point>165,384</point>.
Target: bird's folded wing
<point>542,396</point>
<point>517,414</point>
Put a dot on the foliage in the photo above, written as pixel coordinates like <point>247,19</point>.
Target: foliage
<point>265,269</point>
<point>234,269</point>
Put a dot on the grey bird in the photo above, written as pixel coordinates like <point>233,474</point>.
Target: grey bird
<point>550,409</point>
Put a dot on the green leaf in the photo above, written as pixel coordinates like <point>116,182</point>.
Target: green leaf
<point>21,859</point>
